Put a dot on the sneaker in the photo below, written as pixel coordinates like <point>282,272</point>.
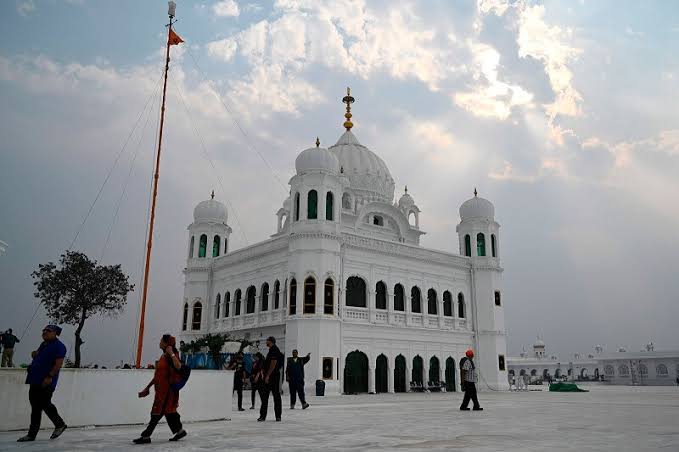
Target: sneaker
<point>305,406</point>
<point>58,431</point>
<point>278,419</point>
<point>252,407</point>
<point>142,440</point>
<point>241,409</point>
<point>261,419</point>
<point>478,409</point>
<point>23,439</point>
<point>464,409</point>
<point>179,435</point>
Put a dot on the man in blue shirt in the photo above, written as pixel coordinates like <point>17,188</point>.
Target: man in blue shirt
<point>43,375</point>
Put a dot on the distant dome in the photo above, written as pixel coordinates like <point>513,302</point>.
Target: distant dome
<point>477,207</point>
<point>406,201</point>
<point>365,170</point>
<point>317,159</point>
<point>539,344</point>
<point>210,210</point>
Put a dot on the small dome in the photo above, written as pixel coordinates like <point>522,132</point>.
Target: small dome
<point>539,344</point>
<point>477,208</point>
<point>210,210</point>
<point>317,159</point>
<point>406,201</point>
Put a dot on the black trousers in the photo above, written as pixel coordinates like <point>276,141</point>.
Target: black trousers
<point>256,389</point>
<point>41,400</point>
<point>272,388</point>
<point>173,421</point>
<point>238,387</point>
<point>297,388</point>
<point>470,393</point>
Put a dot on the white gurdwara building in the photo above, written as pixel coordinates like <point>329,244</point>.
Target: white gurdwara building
<point>345,278</point>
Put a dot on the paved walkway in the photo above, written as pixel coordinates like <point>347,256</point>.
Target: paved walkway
<point>607,418</point>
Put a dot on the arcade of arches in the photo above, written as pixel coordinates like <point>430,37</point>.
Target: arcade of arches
<point>358,372</point>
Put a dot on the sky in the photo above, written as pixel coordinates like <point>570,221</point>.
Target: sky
<point>563,114</point>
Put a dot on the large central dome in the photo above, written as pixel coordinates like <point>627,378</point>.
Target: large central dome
<point>365,170</point>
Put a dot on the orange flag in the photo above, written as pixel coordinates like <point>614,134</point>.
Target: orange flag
<point>174,38</point>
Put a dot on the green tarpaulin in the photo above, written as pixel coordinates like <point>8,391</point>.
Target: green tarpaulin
<point>565,387</point>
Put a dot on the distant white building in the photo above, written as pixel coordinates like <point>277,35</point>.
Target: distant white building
<point>649,367</point>
<point>345,278</point>
<point>3,247</point>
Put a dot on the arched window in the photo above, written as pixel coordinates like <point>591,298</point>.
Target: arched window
<point>218,305</point>
<point>447,304</point>
<point>277,295</point>
<point>346,201</point>
<point>493,245</point>
<point>356,292</point>
<point>467,245</point>
<point>623,370</point>
<point>197,315</point>
<point>643,370</point>
<point>202,246</point>
<point>381,295</point>
<point>312,205</point>
<point>661,370</point>
<point>265,297</point>
<point>296,206</point>
<point>399,298</point>
<point>250,302</point>
<point>185,317</point>
<point>378,220</point>
<point>498,298</point>
<point>193,240</point>
<point>431,302</point>
<point>534,373</point>
<point>460,305</point>
<point>293,297</point>
<point>415,300</point>
<point>216,244</point>
<point>609,370</point>
<point>480,244</point>
<point>310,295</point>
<point>329,297</point>
<point>227,303</point>
<point>237,296</point>
<point>226,245</point>
<point>329,206</point>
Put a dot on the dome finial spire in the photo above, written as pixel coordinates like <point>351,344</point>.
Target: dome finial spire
<point>318,142</point>
<point>348,100</point>
<point>406,189</point>
<point>475,193</point>
<point>212,195</point>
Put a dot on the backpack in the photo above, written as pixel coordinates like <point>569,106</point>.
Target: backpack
<point>184,372</point>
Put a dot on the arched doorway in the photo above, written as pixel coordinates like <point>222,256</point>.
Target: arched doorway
<point>450,375</point>
<point>356,373</point>
<point>418,366</point>
<point>434,370</point>
<point>381,377</point>
<point>400,374</point>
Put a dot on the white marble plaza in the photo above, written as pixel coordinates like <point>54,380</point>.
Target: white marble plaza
<point>607,418</point>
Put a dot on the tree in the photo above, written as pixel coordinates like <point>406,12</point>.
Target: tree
<point>80,289</point>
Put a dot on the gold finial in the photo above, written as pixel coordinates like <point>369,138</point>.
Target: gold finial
<point>212,195</point>
<point>348,100</point>
<point>475,192</point>
<point>406,189</point>
<point>318,142</point>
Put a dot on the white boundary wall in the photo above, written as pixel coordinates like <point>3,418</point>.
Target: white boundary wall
<point>87,397</point>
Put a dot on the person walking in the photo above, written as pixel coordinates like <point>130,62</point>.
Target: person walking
<point>8,342</point>
<point>294,375</point>
<point>469,380</point>
<point>166,398</point>
<point>239,376</point>
<point>272,380</point>
<point>43,376</point>
<point>256,377</point>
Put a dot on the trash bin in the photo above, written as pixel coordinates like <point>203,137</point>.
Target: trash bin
<point>320,388</point>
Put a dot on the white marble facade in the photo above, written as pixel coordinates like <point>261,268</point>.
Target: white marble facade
<point>344,273</point>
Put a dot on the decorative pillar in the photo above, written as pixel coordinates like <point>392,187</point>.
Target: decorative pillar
<point>390,376</point>
<point>425,371</point>
<point>371,379</point>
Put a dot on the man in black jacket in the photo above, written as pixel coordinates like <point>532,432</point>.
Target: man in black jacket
<point>272,380</point>
<point>294,375</point>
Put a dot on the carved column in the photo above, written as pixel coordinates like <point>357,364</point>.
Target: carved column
<point>371,378</point>
<point>390,376</point>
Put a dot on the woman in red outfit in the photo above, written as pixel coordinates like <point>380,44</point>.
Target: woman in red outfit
<point>166,399</point>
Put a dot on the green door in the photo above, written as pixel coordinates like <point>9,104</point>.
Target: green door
<point>450,375</point>
<point>356,373</point>
<point>400,374</point>
<point>418,369</point>
<point>381,378</point>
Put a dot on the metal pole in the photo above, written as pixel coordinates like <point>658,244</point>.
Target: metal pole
<point>149,243</point>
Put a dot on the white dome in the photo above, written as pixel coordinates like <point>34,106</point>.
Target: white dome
<point>365,170</point>
<point>477,208</point>
<point>406,201</point>
<point>210,210</point>
<point>316,159</point>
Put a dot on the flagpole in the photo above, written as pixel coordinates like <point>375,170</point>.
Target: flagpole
<point>149,242</point>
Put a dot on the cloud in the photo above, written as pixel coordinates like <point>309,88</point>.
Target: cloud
<point>226,8</point>
<point>224,49</point>
<point>26,7</point>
